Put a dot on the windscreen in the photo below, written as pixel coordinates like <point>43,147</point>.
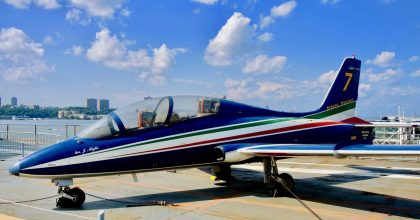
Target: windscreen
<point>152,113</point>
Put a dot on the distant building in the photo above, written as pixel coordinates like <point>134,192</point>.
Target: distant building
<point>92,103</point>
<point>33,106</point>
<point>147,97</point>
<point>103,104</point>
<point>14,101</point>
<point>0,101</point>
<point>63,114</point>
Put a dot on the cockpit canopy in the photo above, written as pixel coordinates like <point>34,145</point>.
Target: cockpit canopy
<point>152,113</point>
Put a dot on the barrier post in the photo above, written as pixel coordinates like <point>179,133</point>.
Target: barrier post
<point>101,214</point>
<point>22,148</point>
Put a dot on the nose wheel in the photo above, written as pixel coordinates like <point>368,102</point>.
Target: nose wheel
<point>71,197</point>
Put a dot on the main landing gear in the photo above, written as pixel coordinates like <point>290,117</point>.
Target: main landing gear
<point>281,184</point>
<point>70,197</point>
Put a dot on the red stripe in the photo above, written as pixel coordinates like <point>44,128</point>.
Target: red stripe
<point>355,120</point>
<point>295,127</point>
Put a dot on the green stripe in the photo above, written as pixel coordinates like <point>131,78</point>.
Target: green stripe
<point>234,127</point>
<point>332,111</point>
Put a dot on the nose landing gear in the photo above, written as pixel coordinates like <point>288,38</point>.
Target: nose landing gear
<point>70,197</point>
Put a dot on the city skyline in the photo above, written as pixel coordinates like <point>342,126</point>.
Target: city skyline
<point>15,99</point>
<point>281,54</point>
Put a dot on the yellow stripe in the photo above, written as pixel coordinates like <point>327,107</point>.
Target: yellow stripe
<point>6,217</point>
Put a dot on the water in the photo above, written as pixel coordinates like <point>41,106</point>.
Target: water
<point>64,128</point>
<point>27,136</point>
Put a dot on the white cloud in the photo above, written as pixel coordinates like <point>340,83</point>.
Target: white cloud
<point>415,73</point>
<point>327,78</point>
<point>192,82</point>
<point>77,16</point>
<point>75,50</point>
<point>112,52</point>
<point>163,57</point>
<point>98,8</point>
<point>364,88</point>
<point>20,4</point>
<point>47,4</point>
<point>48,39</point>
<point>383,59</point>
<point>157,80</point>
<point>230,39</point>
<point>281,10</point>
<point>330,2</point>
<point>125,12</point>
<point>265,37</point>
<point>266,87</point>
<point>20,56</point>
<point>279,89</point>
<point>23,4</point>
<point>284,9</point>
<point>265,21</point>
<point>264,64</point>
<point>206,2</point>
<point>238,89</point>
<point>388,75</point>
<point>413,58</point>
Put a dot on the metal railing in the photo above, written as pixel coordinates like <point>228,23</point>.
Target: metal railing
<point>25,139</point>
<point>397,135</point>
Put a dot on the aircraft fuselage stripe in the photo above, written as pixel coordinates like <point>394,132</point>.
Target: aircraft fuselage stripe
<point>249,135</point>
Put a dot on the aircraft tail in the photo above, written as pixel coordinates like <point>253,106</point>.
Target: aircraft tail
<point>340,102</point>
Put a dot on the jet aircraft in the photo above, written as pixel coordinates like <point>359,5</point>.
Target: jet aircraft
<point>192,131</point>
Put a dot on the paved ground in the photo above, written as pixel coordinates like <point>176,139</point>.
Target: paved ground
<point>334,189</point>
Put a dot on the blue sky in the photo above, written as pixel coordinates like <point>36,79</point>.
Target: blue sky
<point>281,54</point>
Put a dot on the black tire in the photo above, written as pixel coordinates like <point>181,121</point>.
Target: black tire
<point>288,180</point>
<point>63,202</point>
<point>80,197</point>
<point>278,189</point>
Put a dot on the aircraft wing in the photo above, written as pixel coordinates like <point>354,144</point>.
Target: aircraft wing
<point>293,150</point>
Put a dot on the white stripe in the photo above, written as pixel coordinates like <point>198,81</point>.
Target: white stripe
<point>341,165</point>
<point>187,140</point>
<point>47,210</point>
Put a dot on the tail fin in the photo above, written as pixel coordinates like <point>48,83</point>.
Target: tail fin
<point>340,102</point>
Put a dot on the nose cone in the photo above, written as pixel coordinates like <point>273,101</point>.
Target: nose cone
<point>15,169</point>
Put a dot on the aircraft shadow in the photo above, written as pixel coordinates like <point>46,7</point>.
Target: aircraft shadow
<point>315,189</point>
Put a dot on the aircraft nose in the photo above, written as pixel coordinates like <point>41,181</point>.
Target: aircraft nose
<point>15,169</point>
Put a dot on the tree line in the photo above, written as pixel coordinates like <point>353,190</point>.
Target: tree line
<point>46,112</point>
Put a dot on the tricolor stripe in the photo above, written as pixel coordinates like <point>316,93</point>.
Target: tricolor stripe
<point>238,137</point>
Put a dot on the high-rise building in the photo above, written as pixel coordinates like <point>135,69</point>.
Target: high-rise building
<point>14,101</point>
<point>103,104</point>
<point>92,103</point>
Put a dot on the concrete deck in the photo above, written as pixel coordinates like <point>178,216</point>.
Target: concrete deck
<point>334,189</point>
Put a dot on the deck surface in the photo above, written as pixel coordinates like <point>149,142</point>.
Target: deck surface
<point>334,189</point>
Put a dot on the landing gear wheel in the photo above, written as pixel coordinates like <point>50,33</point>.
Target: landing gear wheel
<point>77,201</point>
<point>63,202</point>
<point>79,195</point>
<point>223,172</point>
<point>281,181</point>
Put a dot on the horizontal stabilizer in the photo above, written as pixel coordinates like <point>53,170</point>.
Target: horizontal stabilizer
<point>292,150</point>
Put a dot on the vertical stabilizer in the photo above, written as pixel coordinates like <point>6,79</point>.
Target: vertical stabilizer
<point>340,102</point>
